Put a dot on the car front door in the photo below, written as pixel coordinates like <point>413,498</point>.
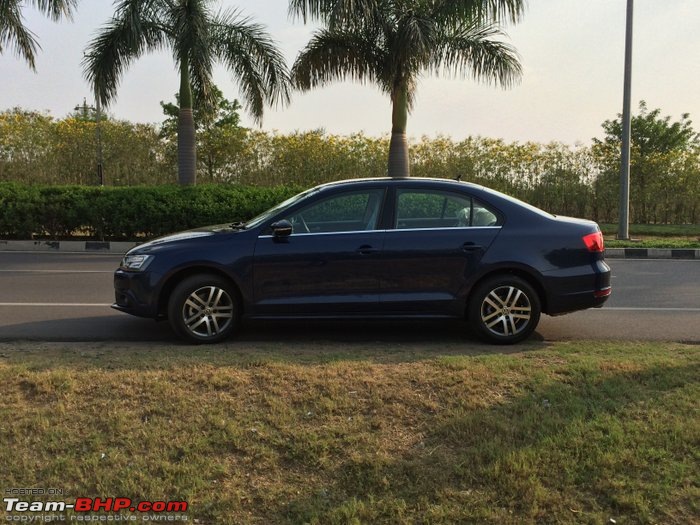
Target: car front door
<point>436,243</point>
<point>329,265</point>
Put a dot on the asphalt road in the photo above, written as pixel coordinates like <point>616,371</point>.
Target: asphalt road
<point>66,297</point>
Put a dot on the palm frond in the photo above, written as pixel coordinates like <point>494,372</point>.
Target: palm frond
<point>15,35</point>
<point>56,9</point>
<point>253,58</point>
<point>134,30</point>
<point>339,55</point>
<point>494,11</point>
<point>474,50</point>
<point>335,13</point>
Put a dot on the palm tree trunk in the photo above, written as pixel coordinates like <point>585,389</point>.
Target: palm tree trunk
<point>186,142</point>
<point>398,149</point>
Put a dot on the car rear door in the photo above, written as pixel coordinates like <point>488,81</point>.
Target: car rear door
<point>437,240</point>
<point>329,265</point>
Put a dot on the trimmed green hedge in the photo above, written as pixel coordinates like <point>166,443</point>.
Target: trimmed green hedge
<point>127,213</point>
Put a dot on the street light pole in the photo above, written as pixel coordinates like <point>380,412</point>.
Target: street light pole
<point>623,231</point>
<point>98,116</point>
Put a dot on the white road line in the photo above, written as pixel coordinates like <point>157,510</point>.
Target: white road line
<point>645,309</point>
<point>55,271</point>
<point>619,309</point>
<point>615,260</point>
<point>83,305</point>
<point>42,252</point>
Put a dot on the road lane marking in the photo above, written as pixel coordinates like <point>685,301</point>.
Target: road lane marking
<point>56,271</point>
<point>82,305</point>
<point>646,309</point>
<point>45,252</point>
<point>618,308</point>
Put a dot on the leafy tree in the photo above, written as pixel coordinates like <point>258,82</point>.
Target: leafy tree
<point>14,34</point>
<point>219,112</point>
<point>26,139</point>
<point>392,42</point>
<point>219,134</point>
<point>197,38</point>
<point>651,133</point>
<point>658,143</point>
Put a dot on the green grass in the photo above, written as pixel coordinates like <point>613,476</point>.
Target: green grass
<point>654,242</point>
<point>434,431</point>
<point>656,230</point>
<point>678,236</point>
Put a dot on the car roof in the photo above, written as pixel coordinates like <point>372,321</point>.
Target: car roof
<point>383,180</point>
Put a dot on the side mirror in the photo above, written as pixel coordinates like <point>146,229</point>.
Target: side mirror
<point>281,228</point>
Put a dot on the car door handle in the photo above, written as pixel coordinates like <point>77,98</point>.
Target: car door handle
<point>471,247</point>
<point>367,250</point>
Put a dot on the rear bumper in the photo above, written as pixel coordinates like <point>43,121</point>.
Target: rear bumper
<point>578,288</point>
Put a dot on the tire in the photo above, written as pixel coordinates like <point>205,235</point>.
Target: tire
<point>204,309</point>
<point>504,310</point>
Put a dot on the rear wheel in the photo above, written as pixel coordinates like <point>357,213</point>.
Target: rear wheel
<point>203,309</point>
<point>504,310</point>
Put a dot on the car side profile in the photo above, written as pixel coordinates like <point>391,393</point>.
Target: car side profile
<point>373,248</point>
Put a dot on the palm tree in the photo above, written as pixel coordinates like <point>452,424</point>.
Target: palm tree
<point>392,42</point>
<point>12,30</point>
<point>197,37</point>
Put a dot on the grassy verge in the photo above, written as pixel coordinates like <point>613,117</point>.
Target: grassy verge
<point>426,432</point>
<point>654,242</point>
<point>656,230</point>
<point>679,236</point>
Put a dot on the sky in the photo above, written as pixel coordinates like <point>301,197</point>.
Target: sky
<point>572,53</point>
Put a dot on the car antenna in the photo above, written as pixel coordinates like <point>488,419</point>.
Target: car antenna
<point>458,178</point>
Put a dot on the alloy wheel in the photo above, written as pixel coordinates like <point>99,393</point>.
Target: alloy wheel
<point>506,311</point>
<point>208,311</point>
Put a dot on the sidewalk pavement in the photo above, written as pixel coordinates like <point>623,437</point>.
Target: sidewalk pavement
<point>123,247</point>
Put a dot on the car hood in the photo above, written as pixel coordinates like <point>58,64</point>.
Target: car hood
<point>176,238</point>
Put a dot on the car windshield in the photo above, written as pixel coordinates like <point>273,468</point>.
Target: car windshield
<point>257,221</point>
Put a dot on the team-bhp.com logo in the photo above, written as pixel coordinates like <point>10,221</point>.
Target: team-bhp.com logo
<point>82,506</point>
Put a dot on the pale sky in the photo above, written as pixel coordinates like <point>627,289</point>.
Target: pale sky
<point>572,53</point>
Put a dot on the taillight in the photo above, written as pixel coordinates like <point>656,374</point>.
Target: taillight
<point>594,242</point>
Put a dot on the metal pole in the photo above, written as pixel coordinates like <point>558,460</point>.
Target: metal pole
<point>98,131</point>
<point>623,231</point>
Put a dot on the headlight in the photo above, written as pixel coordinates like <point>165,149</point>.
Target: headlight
<point>136,263</point>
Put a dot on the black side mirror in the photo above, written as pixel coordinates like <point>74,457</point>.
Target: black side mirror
<point>281,228</point>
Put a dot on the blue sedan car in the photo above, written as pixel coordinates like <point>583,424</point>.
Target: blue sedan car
<point>373,248</point>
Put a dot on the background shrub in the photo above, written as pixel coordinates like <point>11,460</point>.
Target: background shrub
<point>127,213</point>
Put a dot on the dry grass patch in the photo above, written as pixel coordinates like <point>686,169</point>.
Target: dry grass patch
<point>352,433</point>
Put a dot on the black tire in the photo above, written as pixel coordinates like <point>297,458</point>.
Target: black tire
<point>504,309</point>
<point>204,309</point>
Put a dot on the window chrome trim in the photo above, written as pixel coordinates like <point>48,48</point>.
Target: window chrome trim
<point>323,233</point>
<point>466,228</point>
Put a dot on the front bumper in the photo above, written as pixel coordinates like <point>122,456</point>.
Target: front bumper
<point>135,293</point>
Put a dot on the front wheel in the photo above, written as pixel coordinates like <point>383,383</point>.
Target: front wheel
<point>504,310</point>
<point>203,309</point>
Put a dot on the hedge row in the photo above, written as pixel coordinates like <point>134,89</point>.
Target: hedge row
<point>126,213</point>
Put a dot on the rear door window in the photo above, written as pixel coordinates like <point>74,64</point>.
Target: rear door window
<point>426,209</point>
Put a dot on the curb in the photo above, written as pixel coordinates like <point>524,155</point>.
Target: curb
<point>123,247</point>
<point>652,253</point>
<point>66,246</point>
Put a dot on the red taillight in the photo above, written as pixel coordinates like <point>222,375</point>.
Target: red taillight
<point>603,293</point>
<point>594,242</point>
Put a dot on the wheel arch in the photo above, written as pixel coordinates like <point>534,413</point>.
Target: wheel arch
<point>180,275</point>
<point>527,275</point>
